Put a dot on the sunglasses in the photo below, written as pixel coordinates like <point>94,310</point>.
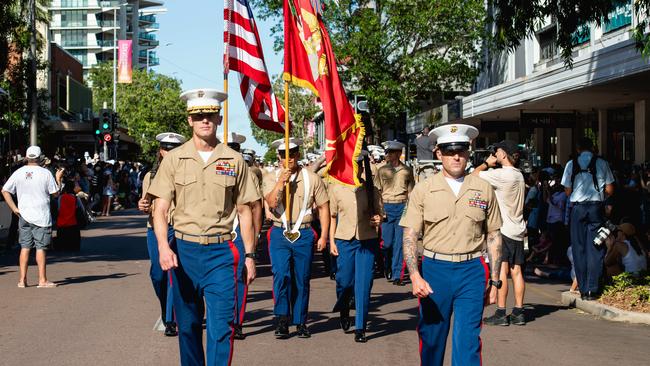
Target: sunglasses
<point>202,116</point>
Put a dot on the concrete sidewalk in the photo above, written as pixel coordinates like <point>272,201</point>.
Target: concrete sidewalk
<point>104,310</point>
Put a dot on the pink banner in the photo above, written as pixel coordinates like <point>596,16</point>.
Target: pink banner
<point>124,61</point>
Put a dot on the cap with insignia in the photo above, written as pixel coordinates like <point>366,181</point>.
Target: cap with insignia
<point>250,152</point>
<point>203,100</point>
<point>279,144</point>
<point>454,137</point>
<point>393,145</point>
<point>248,158</point>
<point>170,140</point>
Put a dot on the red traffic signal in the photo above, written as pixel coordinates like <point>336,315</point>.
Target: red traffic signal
<point>108,137</point>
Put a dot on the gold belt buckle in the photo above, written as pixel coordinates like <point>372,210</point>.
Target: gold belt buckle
<point>203,240</point>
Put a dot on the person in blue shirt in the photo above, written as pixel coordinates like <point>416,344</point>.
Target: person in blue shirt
<point>587,186</point>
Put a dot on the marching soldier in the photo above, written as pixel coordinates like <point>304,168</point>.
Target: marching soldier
<point>161,280</point>
<point>354,242</point>
<point>455,210</point>
<point>256,209</point>
<point>290,242</point>
<point>210,185</point>
<point>395,181</point>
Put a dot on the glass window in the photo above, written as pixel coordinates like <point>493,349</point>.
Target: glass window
<point>547,47</point>
<point>74,38</point>
<point>74,18</point>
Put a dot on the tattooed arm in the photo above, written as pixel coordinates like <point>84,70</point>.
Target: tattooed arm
<point>494,253</point>
<point>420,287</point>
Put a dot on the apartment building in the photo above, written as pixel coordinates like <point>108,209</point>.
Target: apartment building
<point>87,29</point>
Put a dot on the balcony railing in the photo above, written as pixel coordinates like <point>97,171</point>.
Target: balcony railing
<point>154,61</point>
<point>105,43</point>
<point>73,3</point>
<point>74,43</point>
<point>107,23</point>
<point>147,18</point>
<point>73,23</point>
<point>110,3</point>
<point>147,36</point>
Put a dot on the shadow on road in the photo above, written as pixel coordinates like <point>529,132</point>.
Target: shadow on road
<point>536,311</point>
<point>82,279</point>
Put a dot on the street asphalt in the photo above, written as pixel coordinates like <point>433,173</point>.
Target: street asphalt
<point>104,311</point>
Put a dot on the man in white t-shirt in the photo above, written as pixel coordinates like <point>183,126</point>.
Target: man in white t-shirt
<point>33,186</point>
<point>510,188</point>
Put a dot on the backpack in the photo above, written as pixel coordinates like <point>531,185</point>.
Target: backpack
<point>591,169</point>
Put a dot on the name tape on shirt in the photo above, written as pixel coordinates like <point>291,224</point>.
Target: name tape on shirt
<point>225,168</point>
<point>476,201</point>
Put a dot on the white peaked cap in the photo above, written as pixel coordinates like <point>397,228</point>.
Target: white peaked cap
<point>170,138</point>
<point>454,134</point>
<point>279,143</point>
<point>203,100</point>
<point>237,138</point>
<point>393,145</point>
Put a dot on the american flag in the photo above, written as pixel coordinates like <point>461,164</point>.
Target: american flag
<point>243,54</point>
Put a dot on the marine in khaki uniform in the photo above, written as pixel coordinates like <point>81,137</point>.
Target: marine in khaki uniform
<point>355,242</point>
<point>291,241</point>
<point>456,212</point>
<point>210,186</point>
<point>395,181</point>
<point>235,143</point>
<point>161,280</point>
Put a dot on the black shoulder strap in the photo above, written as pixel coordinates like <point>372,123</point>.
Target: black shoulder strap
<point>592,170</point>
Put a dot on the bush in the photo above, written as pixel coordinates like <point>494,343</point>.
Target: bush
<point>631,292</point>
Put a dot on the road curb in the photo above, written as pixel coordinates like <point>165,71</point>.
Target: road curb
<point>604,311</point>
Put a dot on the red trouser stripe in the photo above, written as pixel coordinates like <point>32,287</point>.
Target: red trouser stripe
<point>235,254</point>
<point>487,277</point>
<point>268,247</point>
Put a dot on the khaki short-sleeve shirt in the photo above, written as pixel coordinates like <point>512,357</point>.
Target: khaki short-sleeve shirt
<point>452,225</point>
<point>206,194</point>
<point>146,182</point>
<point>256,175</point>
<point>318,194</point>
<point>394,183</point>
<point>350,206</point>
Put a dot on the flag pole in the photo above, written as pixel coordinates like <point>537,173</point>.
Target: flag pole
<point>225,108</point>
<point>286,151</point>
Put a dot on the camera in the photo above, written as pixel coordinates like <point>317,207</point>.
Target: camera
<point>604,232</point>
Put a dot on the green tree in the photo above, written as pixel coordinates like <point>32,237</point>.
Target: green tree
<point>146,107</point>
<point>399,53</point>
<point>14,68</point>
<point>517,19</point>
<point>302,109</point>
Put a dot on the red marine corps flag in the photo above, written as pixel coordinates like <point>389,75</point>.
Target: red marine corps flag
<point>309,62</point>
<point>243,53</point>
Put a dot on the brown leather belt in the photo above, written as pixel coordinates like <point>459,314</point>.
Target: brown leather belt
<point>452,257</point>
<point>303,226</point>
<point>394,201</point>
<point>204,239</point>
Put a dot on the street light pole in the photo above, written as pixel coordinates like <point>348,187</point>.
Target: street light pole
<point>114,62</point>
<point>33,98</point>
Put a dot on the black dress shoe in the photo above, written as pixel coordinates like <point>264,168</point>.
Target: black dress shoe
<point>345,320</point>
<point>282,328</point>
<point>239,333</point>
<point>591,296</point>
<point>333,276</point>
<point>388,275</point>
<point>398,282</point>
<point>303,332</point>
<point>170,329</point>
<point>360,336</point>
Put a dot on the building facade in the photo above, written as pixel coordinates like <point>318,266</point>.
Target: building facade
<point>87,29</point>
<point>529,96</point>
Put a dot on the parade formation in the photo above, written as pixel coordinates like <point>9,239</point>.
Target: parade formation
<point>420,160</point>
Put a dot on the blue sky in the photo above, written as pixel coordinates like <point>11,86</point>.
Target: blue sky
<point>195,30</point>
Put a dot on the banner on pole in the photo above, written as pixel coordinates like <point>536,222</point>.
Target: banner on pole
<point>124,61</point>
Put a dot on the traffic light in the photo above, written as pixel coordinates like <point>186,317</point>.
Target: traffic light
<point>105,121</point>
<point>96,129</point>
<point>115,120</point>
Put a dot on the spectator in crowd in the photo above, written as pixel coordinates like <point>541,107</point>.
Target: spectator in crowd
<point>556,198</point>
<point>33,186</point>
<point>624,252</point>
<point>588,180</point>
<point>108,193</point>
<point>70,212</point>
